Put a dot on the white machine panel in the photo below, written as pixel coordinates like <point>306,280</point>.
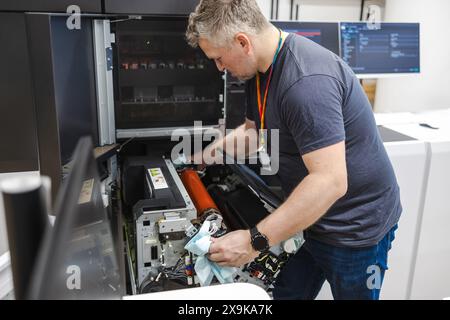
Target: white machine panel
<point>431,278</point>
<point>409,160</point>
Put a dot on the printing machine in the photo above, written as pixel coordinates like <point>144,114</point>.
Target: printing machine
<point>161,85</point>
<point>151,85</point>
<point>408,155</point>
<point>132,83</point>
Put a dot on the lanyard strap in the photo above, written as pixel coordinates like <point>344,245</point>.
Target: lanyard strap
<point>262,107</point>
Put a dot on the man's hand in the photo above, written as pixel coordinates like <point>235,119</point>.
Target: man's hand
<point>233,249</point>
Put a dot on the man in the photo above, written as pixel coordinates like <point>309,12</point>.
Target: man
<point>340,185</point>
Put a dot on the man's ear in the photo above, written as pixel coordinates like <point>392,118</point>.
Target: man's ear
<point>243,41</point>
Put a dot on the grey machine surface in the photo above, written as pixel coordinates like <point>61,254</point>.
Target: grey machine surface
<point>162,218</point>
<point>77,258</point>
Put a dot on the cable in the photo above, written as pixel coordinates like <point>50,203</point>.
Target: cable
<point>147,280</point>
<point>271,10</point>
<point>131,17</point>
<point>278,7</point>
<point>124,144</point>
<point>291,10</point>
<point>363,3</point>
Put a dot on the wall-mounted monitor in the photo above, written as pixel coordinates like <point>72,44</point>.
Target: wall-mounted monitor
<point>380,49</point>
<point>324,33</point>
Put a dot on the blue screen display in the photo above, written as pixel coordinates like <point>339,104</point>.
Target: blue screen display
<point>382,48</point>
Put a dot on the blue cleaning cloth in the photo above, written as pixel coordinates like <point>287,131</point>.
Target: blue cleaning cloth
<point>204,268</point>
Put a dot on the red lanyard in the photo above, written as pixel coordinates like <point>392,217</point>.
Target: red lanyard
<point>262,107</point>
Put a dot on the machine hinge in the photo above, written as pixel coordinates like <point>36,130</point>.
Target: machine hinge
<point>109,59</point>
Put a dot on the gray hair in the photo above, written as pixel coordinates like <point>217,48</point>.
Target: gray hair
<point>220,20</point>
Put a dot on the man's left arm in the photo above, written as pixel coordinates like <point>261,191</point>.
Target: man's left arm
<point>315,194</point>
<point>318,191</point>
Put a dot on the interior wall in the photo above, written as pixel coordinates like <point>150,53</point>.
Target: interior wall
<point>431,88</point>
<point>320,10</point>
<point>426,91</point>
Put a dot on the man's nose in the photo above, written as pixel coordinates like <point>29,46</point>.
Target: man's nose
<point>220,66</point>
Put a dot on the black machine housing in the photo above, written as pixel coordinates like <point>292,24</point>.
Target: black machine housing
<point>160,84</point>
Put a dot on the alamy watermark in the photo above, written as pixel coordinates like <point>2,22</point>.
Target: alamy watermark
<point>373,17</point>
<point>374,279</point>
<point>73,281</point>
<point>73,22</point>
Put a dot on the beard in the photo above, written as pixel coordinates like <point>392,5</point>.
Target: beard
<point>243,77</point>
<point>247,70</point>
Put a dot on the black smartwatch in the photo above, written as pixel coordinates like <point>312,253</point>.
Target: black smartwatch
<point>258,240</point>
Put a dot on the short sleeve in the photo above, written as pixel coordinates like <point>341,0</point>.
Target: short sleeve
<point>312,111</point>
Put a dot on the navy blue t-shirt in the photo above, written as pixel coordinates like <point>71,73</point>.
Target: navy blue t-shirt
<point>316,101</point>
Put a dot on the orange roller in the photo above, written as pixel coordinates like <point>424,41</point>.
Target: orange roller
<point>197,191</point>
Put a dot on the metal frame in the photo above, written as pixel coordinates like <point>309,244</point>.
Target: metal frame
<point>104,81</point>
<point>189,212</point>
<point>159,132</point>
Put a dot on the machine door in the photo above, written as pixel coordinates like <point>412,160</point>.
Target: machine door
<point>161,83</point>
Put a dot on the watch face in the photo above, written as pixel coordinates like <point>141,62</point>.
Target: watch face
<point>260,243</point>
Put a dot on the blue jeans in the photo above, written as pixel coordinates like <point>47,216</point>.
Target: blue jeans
<point>353,273</point>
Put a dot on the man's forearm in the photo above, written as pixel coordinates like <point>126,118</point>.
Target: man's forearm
<point>306,204</point>
<point>239,143</point>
